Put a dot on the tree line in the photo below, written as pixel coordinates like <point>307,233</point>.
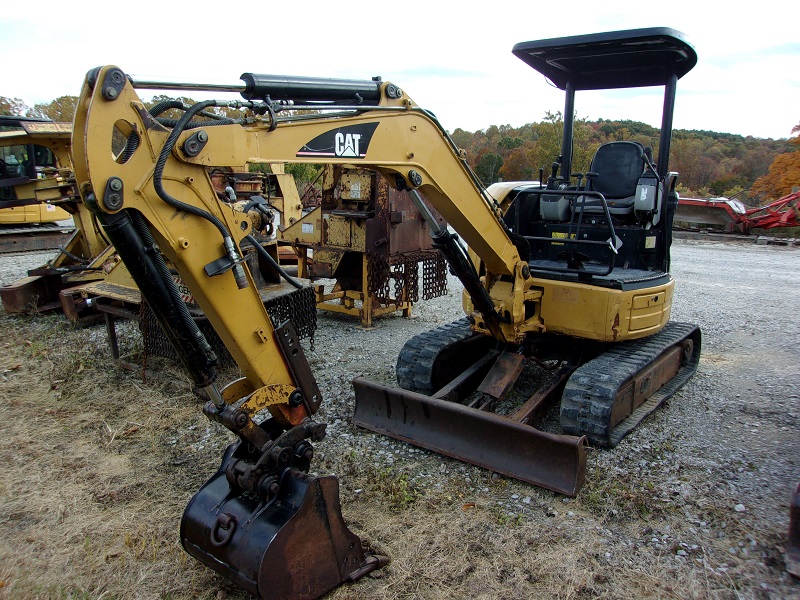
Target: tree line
<point>710,164</point>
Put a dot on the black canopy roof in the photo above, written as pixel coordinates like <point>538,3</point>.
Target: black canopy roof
<point>616,59</point>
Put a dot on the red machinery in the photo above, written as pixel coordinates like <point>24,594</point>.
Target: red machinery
<point>734,216</point>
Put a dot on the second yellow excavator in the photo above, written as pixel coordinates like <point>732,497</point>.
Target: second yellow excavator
<point>572,274</point>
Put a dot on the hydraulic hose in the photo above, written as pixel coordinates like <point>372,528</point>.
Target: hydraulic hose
<point>131,145</point>
<point>166,105</point>
<point>273,263</point>
<point>135,245</point>
<point>166,277</point>
<point>162,161</point>
<point>234,257</point>
<point>196,124</point>
<point>462,267</point>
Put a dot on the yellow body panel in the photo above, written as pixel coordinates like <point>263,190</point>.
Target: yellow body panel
<point>592,312</point>
<point>344,232</point>
<point>34,213</point>
<point>603,314</point>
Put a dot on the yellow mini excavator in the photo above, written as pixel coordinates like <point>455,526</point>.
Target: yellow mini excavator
<point>573,275</point>
<point>34,170</point>
<point>37,186</point>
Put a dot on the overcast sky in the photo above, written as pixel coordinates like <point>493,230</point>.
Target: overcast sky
<point>453,58</point>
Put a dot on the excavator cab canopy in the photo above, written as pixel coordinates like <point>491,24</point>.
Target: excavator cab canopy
<point>655,56</point>
<point>612,60</point>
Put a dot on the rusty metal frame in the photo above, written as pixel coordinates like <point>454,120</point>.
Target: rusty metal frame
<point>344,301</point>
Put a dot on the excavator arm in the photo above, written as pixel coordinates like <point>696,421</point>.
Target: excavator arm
<point>261,517</point>
<point>261,520</point>
<point>392,136</point>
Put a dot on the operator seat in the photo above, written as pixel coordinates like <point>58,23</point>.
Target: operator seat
<point>618,167</point>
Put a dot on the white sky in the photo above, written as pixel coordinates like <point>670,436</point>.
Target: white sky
<point>453,58</point>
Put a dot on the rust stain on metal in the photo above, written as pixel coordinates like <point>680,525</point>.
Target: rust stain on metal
<point>554,462</point>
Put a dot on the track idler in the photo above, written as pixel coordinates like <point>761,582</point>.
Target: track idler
<point>286,539</point>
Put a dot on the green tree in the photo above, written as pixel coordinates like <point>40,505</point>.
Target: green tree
<point>509,143</point>
<point>304,174</point>
<point>461,138</point>
<point>548,141</point>
<point>488,168</point>
<point>12,106</point>
<point>61,109</point>
<point>724,185</point>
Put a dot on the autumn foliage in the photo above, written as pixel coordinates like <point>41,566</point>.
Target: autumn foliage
<point>783,176</point>
<point>709,163</point>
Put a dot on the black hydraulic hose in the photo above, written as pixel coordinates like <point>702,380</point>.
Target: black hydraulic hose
<point>131,145</point>
<point>195,124</point>
<point>71,256</point>
<point>166,105</point>
<point>166,276</point>
<point>462,267</point>
<point>273,263</point>
<point>134,243</point>
<point>100,231</point>
<point>162,161</point>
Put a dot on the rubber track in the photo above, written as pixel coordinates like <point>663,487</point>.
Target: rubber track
<point>589,394</point>
<point>417,359</point>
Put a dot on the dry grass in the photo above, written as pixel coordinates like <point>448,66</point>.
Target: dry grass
<point>98,466</point>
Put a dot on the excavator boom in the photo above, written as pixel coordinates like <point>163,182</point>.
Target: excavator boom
<point>261,520</point>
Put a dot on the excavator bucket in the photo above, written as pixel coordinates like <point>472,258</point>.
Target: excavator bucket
<point>503,444</point>
<point>296,546</point>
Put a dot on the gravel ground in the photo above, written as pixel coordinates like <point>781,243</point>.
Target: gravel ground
<point>722,457</point>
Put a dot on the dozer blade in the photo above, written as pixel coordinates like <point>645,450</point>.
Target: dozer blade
<point>297,546</point>
<point>501,444</point>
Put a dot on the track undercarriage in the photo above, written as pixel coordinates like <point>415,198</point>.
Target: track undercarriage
<point>465,396</point>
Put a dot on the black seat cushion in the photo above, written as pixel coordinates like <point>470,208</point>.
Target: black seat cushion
<point>619,166</point>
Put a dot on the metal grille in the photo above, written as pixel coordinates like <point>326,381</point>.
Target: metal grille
<point>298,306</point>
<point>378,275</point>
<point>403,269</point>
<point>434,276</point>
